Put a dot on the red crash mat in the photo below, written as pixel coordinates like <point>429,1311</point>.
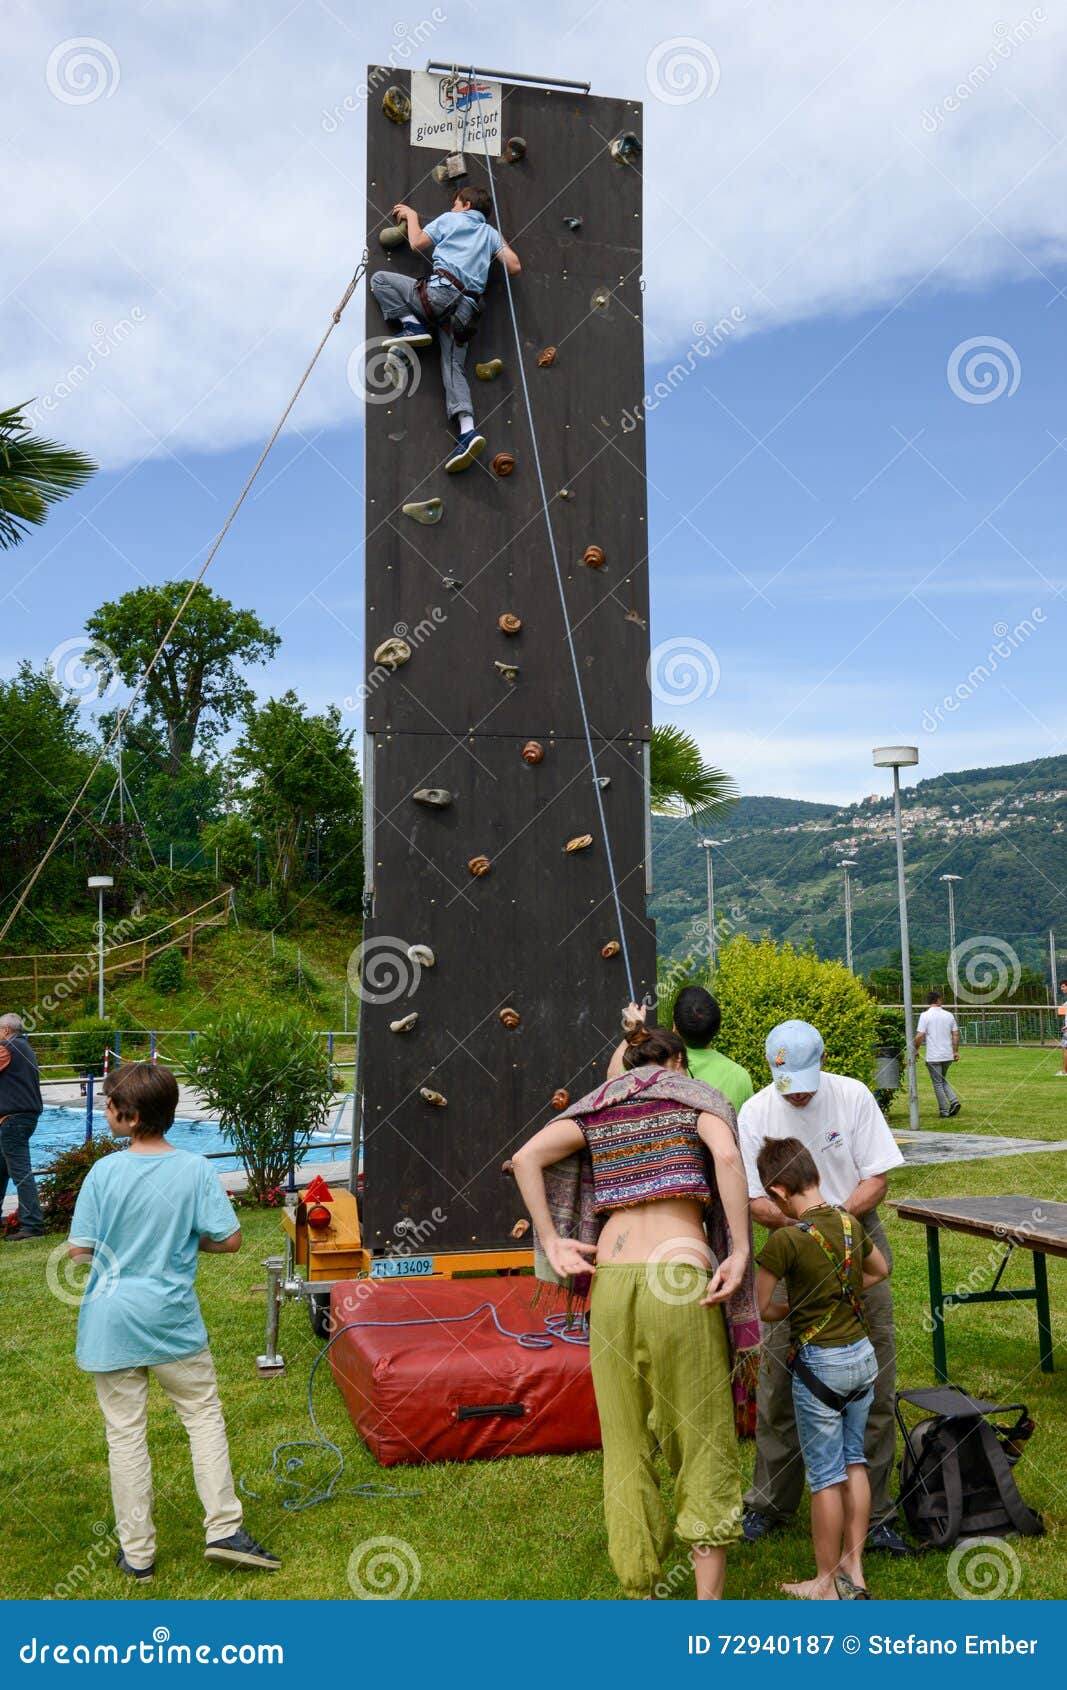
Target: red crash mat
<point>457,1390</point>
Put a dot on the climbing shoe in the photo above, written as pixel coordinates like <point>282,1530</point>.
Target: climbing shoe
<point>413,336</point>
<point>242,1550</point>
<point>468,447</point>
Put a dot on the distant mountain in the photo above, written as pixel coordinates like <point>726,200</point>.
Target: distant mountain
<point>1004,830</point>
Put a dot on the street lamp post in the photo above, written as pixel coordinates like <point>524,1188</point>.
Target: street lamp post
<point>897,757</point>
<point>848,863</point>
<point>100,883</point>
<point>706,846</point>
<point>953,977</point>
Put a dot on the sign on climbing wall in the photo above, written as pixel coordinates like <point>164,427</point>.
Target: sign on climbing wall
<point>450,113</point>
<point>506,876</point>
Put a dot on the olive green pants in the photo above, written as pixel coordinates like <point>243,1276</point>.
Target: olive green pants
<point>661,1372</point>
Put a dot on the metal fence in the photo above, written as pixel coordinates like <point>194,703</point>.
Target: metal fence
<point>1027,1024</point>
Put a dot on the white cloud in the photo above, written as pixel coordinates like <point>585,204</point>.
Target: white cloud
<point>203,189</point>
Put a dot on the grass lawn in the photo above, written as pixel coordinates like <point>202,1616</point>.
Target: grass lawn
<point>528,1527</point>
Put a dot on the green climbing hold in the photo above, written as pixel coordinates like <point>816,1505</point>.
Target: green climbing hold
<point>489,371</point>
<point>427,511</point>
<point>394,234</point>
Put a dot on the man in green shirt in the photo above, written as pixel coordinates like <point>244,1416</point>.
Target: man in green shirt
<point>697,1019</point>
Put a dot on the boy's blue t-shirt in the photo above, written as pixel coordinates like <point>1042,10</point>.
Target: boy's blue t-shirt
<point>465,244</point>
<point>144,1216</point>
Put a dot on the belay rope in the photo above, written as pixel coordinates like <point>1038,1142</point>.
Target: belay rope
<point>598,791</point>
<point>183,607</point>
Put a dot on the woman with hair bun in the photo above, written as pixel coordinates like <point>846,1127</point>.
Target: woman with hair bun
<point>640,1187</point>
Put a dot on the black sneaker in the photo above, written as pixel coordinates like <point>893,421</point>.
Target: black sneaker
<point>883,1537</point>
<point>20,1235</point>
<point>756,1526</point>
<point>242,1550</point>
<point>143,1575</point>
<point>955,1109</point>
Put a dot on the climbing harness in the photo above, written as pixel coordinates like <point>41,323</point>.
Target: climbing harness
<point>564,1327</point>
<point>796,1363</point>
<point>576,668</point>
<point>183,607</point>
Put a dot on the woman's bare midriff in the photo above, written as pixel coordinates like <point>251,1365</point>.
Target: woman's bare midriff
<point>672,1229</point>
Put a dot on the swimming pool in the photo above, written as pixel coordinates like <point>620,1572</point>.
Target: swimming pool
<point>60,1128</point>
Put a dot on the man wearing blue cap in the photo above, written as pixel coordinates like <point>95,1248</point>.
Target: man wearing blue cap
<point>839,1123</point>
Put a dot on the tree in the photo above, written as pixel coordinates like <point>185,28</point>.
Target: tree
<point>196,686</point>
<point>680,782</point>
<point>299,772</point>
<point>34,475</point>
<point>44,753</point>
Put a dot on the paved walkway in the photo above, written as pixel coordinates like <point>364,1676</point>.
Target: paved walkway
<point>923,1148</point>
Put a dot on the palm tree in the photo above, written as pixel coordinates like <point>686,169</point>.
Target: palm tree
<point>680,782</point>
<point>34,474</point>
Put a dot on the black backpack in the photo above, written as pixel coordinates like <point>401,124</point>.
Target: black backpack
<point>955,1473</point>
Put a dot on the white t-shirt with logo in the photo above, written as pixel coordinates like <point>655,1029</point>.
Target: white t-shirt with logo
<point>842,1127</point>
<point>939,1025</point>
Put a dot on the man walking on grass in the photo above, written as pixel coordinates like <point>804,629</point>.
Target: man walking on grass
<point>20,1110</point>
<point>937,1030</point>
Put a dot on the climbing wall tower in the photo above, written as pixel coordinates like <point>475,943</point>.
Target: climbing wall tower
<point>529,967</point>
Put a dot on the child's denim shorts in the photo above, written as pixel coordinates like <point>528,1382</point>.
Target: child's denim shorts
<point>829,1441</point>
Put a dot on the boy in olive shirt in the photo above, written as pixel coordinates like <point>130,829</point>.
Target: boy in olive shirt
<point>825,1261</point>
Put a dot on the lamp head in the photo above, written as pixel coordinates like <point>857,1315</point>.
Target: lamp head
<point>895,756</point>
<point>100,882</point>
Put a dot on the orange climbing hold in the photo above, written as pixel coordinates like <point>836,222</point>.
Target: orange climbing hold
<point>547,358</point>
<point>503,463</point>
<point>594,557</point>
<point>581,842</point>
<point>612,948</point>
<point>510,1017</point>
<point>479,866</point>
<point>509,623</point>
<point>532,751</point>
<point>560,1098</point>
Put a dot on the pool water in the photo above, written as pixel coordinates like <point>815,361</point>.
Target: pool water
<point>60,1128</point>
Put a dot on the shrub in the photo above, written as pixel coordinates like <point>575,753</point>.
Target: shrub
<point>59,1187</point>
<point>759,984</point>
<point>268,1080</point>
<point>87,1043</point>
<point>166,971</point>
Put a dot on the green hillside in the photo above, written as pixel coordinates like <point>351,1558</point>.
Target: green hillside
<point>1004,830</point>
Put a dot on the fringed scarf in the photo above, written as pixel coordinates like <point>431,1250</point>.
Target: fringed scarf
<point>569,1193</point>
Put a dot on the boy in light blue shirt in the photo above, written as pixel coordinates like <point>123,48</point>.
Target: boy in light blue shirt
<point>140,1221</point>
<point>461,244</point>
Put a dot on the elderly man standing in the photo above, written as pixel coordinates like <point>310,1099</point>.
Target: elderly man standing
<point>20,1110</point>
<point>839,1123</point>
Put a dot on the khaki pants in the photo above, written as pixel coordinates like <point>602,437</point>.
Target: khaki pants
<point>778,1481</point>
<point>193,1390</point>
<point>661,1373</point>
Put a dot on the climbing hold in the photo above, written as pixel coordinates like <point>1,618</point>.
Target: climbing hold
<point>510,1017</point>
<point>422,955</point>
<point>479,866</point>
<point>599,300</point>
<point>581,842</point>
<point>565,493</point>
<point>560,1098</point>
<point>489,371</point>
<point>508,1167</point>
<point>394,234</point>
<point>392,653</point>
<point>406,1024</point>
<point>508,671</point>
<point>603,781</point>
<point>626,147</point>
<point>453,165</point>
<point>509,623</point>
<point>532,751</point>
<point>451,583</point>
<point>514,149</point>
<point>573,223</point>
<point>434,797</point>
<point>428,1095</point>
<point>612,948</point>
<point>503,463</point>
<point>546,358</point>
<point>396,105</point>
<point>521,1228</point>
<point>593,557</point>
<point>632,616</point>
<point>426,511</point>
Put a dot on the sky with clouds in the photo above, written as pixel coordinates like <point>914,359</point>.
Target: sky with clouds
<point>856,502</point>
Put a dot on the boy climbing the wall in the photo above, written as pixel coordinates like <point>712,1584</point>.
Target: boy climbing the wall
<point>461,244</point>
<point>140,1220</point>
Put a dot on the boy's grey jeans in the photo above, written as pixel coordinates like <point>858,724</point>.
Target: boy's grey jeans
<point>397,297</point>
